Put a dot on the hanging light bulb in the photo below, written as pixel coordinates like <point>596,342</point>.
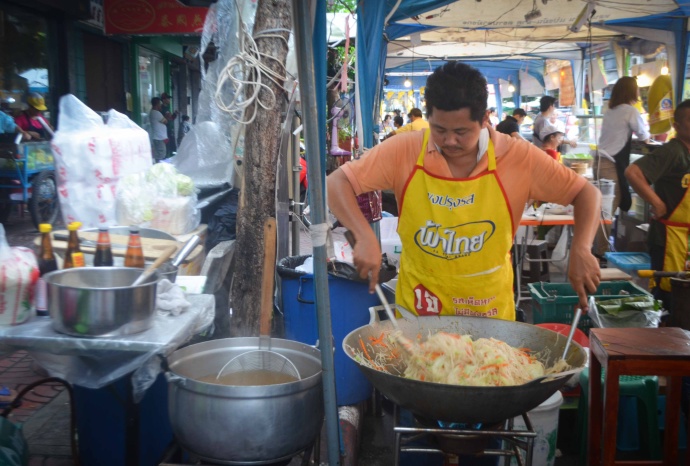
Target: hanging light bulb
<point>664,70</point>
<point>511,88</point>
<point>408,82</point>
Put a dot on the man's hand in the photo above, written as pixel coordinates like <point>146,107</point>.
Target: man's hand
<point>573,143</point>
<point>367,258</point>
<point>658,209</point>
<point>583,274</point>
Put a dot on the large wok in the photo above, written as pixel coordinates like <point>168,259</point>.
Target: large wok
<point>463,403</point>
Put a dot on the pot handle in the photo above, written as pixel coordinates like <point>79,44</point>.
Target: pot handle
<point>374,316</point>
<point>169,376</point>
<point>176,379</point>
<point>299,293</point>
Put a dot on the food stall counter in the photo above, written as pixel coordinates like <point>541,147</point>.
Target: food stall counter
<point>120,396</point>
<point>96,362</point>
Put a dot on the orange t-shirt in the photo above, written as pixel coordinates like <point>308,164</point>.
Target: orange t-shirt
<point>525,171</point>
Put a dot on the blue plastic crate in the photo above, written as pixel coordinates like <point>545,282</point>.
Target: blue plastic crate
<point>630,263</point>
<point>629,260</point>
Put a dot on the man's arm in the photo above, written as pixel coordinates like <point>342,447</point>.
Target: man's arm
<point>639,182</point>
<point>343,203</point>
<point>584,272</point>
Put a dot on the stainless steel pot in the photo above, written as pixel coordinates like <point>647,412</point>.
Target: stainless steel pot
<point>226,424</point>
<point>100,301</point>
<point>467,404</point>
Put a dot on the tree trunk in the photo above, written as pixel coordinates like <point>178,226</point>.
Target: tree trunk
<point>257,201</point>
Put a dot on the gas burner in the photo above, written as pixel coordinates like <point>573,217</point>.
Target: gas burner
<point>203,463</point>
<point>463,439</point>
<point>175,456</point>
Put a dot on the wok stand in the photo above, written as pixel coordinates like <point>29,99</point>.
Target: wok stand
<point>519,440</point>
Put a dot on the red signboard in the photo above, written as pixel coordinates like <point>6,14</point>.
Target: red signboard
<point>136,17</point>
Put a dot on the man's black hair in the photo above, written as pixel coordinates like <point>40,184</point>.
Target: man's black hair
<point>684,105</point>
<point>455,86</point>
<point>519,112</point>
<point>399,120</point>
<point>546,102</point>
<point>155,101</point>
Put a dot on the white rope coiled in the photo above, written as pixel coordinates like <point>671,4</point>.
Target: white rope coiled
<point>247,75</point>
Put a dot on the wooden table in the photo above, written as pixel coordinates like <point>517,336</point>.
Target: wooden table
<point>634,351</point>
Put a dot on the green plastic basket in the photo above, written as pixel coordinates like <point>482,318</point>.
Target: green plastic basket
<point>556,302</point>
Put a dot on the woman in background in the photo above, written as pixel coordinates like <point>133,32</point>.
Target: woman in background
<point>612,156</point>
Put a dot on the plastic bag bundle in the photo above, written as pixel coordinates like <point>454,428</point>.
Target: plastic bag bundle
<point>634,311</point>
<point>91,157</point>
<point>159,198</point>
<point>18,275</point>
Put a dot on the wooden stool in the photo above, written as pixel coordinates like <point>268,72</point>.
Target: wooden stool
<point>634,351</point>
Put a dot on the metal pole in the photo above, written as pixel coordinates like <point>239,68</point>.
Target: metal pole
<point>296,200</point>
<point>301,19</point>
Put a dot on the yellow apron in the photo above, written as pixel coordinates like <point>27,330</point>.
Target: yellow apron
<point>676,256</point>
<point>456,236</point>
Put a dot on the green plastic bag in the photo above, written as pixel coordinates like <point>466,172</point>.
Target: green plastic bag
<point>14,451</point>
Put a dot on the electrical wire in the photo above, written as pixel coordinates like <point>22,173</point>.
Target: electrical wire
<point>246,74</point>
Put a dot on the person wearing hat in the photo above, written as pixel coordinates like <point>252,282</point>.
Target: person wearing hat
<point>417,123</point>
<point>511,125</point>
<point>547,108</point>
<point>31,120</point>
<point>551,137</point>
<point>7,123</point>
<point>170,125</point>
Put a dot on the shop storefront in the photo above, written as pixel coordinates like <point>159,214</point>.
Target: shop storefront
<point>151,82</point>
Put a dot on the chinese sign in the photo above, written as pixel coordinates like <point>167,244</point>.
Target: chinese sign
<point>152,17</point>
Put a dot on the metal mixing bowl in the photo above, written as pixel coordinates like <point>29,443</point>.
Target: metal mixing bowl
<point>100,301</point>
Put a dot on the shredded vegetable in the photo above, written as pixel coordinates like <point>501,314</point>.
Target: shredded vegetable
<point>458,360</point>
<point>454,359</point>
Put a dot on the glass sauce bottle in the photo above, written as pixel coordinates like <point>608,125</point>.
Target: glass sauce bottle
<point>46,264</point>
<point>73,257</point>
<point>134,257</point>
<point>104,253</point>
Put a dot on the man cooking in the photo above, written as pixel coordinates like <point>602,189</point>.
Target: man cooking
<point>461,188</point>
<point>668,169</point>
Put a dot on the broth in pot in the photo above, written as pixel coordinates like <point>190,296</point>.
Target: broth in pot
<point>250,378</point>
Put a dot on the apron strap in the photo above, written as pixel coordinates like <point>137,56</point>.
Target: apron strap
<point>425,143</point>
<point>492,156</point>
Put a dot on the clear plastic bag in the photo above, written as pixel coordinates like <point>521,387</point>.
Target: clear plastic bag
<point>18,275</point>
<point>91,157</point>
<point>160,198</point>
<point>634,311</point>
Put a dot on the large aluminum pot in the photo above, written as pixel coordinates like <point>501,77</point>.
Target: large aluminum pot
<point>469,404</point>
<point>100,301</point>
<point>225,424</point>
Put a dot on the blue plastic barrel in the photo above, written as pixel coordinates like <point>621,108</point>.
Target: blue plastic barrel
<point>350,303</point>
